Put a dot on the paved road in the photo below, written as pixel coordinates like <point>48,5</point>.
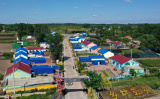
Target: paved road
<point>74,91</point>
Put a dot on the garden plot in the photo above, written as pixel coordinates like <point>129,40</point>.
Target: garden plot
<point>4,64</point>
<point>6,48</point>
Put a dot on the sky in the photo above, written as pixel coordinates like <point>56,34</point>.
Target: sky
<point>79,11</point>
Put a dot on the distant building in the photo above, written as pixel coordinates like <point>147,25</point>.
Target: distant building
<point>128,37</point>
<point>118,44</point>
<point>97,59</point>
<point>108,41</point>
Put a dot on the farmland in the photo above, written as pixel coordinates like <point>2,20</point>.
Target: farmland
<point>150,63</point>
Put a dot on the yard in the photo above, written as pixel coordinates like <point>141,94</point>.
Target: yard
<point>106,73</point>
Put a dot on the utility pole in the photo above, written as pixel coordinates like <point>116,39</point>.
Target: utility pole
<point>14,85</point>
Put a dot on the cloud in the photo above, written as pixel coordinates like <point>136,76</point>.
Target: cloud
<point>3,3</point>
<point>97,5</point>
<point>128,1</point>
<point>94,15</point>
<point>75,7</point>
<point>34,12</point>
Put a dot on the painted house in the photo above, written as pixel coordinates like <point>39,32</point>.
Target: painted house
<point>95,49</point>
<point>120,61</point>
<point>20,70</point>
<point>31,49</point>
<point>139,70</point>
<point>118,44</point>
<point>102,51</point>
<point>108,54</point>
<point>97,59</point>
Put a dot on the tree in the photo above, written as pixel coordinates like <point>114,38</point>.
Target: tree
<point>94,80</point>
<point>56,45</point>
<point>91,93</point>
<point>132,72</point>
<point>60,83</point>
<point>105,82</point>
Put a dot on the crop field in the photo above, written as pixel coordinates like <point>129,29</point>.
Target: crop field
<point>4,64</point>
<point>150,63</point>
<point>6,48</point>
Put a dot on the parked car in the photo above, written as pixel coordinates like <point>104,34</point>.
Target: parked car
<point>69,83</point>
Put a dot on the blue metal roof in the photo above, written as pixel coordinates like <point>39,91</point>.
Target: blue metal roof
<point>72,37</point>
<point>96,56</point>
<point>102,51</point>
<point>84,58</point>
<point>94,47</point>
<point>21,48</point>
<point>42,42</point>
<point>21,53</point>
<point>21,59</point>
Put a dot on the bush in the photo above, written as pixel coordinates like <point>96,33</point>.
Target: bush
<point>1,77</point>
<point>8,55</point>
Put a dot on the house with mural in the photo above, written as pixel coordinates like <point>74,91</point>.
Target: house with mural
<point>120,61</point>
<point>18,70</point>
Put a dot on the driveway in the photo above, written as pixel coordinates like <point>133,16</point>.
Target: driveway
<point>74,91</point>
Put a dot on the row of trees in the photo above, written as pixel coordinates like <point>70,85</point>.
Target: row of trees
<point>1,28</point>
<point>55,45</point>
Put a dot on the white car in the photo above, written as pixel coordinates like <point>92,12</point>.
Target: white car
<point>39,55</point>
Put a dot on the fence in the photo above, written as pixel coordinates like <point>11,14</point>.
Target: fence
<point>119,77</point>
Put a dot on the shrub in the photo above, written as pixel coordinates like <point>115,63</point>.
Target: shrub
<point>1,77</point>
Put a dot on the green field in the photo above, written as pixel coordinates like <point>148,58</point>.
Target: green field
<point>150,63</point>
<point>63,28</point>
<point>134,51</point>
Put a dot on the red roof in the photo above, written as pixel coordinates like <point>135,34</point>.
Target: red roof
<point>119,58</point>
<point>35,48</point>
<point>20,66</point>
<point>117,42</point>
<point>128,37</point>
<point>86,42</point>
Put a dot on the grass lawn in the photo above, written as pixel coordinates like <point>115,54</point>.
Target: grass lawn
<point>150,63</point>
<point>105,73</point>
